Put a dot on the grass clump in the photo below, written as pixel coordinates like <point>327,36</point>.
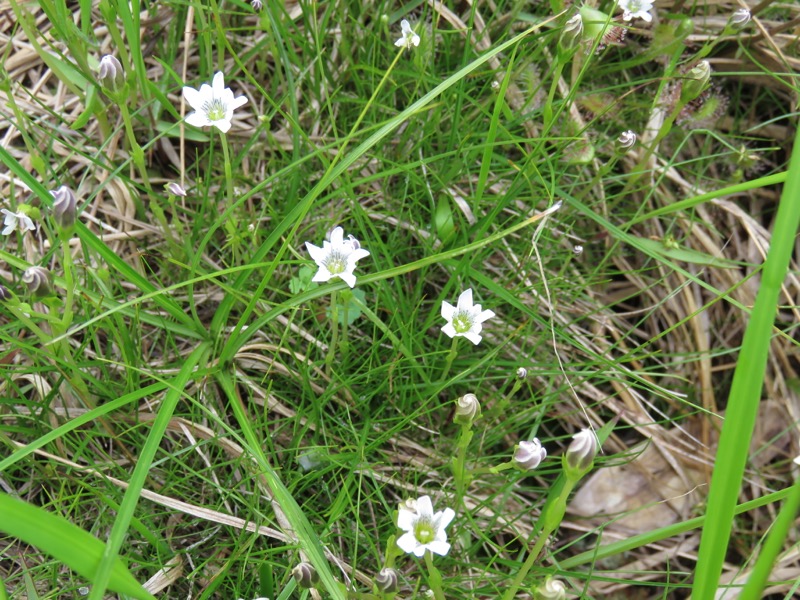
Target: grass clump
<point>360,300</point>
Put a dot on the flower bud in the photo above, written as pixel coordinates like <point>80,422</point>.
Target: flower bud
<point>176,189</point>
<point>571,36</point>
<point>306,575</point>
<point>739,19</point>
<point>386,581</point>
<point>467,409</point>
<point>626,140</point>
<point>528,455</point>
<point>696,81</point>
<point>65,207</point>
<point>5,294</point>
<point>577,249</point>
<point>111,75</point>
<point>551,589</point>
<point>257,5</point>
<point>522,373</point>
<point>579,457</point>
<point>39,282</point>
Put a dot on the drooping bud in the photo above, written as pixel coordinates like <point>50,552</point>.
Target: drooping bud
<point>176,189</point>
<point>579,457</point>
<point>551,589</point>
<point>739,18</point>
<point>467,409</point>
<point>626,140</point>
<point>111,75</point>
<point>65,207</point>
<point>528,455</point>
<point>256,4</point>
<point>522,373</point>
<point>571,36</point>
<point>5,294</point>
<point>39,282</point>
<point>696,81</point>
<point>386,581</point>
<point>306,575</point>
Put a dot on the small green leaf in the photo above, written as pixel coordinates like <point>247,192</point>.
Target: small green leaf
<point>673,250</point>
<point>443,220</point>
<point>66,542</point>
<point>348,306</point>
<point>302,281</point>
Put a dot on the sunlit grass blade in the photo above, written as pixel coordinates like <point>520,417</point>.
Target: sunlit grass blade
<point>745,395</point>
<point>79,550</point>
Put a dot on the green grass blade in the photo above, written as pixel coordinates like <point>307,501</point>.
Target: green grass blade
<point>159,426</point>
<point>737,430</point>
<point>70,544</point>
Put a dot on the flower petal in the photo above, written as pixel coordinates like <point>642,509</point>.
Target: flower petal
<point>425,507</point>
<point>197,119</point>
<point>237,102</point>
<point>222,125</point>
<point>337,236</point>
<point>448,311</point>
<point>449,330</point>
<point>473,337</point>
<point>405,520</point>
<point>316,252</point>
<point>218,84</point>
<point>348,278</point>
<point>193,97</point>
<point>407,542</point>
<point>322,275</point>
<point>465,300</point>
<point>438,547</point>
<point>483,316</point>
<point>445,518</point>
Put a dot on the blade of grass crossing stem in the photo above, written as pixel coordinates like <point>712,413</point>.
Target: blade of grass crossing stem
<point>129,501</point>
<point>778,533</point>
<point>740,413</point>
<point>306,536</point>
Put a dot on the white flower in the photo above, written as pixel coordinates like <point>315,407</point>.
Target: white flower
<point>466,318</point>
<point>14,221</point>
<point>213,104</point>
<point>337,258</point>
<point>636,9</point>
<point>528,455</point>
<point>424,530</point>
<point>407,36</point>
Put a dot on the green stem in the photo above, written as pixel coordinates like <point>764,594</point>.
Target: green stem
<point>460,473</point>
<point>434,577</point>
<point>136,150</point>
<point>451,356</point>
<point>334,332</point>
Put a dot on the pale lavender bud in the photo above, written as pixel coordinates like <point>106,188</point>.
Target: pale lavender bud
<point>467,409</point>
<point>111,75</point>
<point>65,207</point>
<point>256,4</point>
<point>522,373</point>
<point>528,455</point>
<point>740,18</point>
<point>626,140</point>
<point>306,575</point>
<point>176,189</point>
<point>579,458</point>
<point>386,581</point>
<point>39,282</point>
<point>551,589</point>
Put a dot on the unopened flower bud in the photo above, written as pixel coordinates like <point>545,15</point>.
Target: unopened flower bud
<point>65,207</point>
<point>626,140</point>
<point>696,81</point>
<point>4,293</point>
<point>256,4</point>
<point>39,282</point>
<point>577,249</point>
<point>740,18</point>
<point>111,75</point>
<point>579,457</point>
<point>551,589</point>
<point>467,409</point>
<point>176,189</point>
<point>522,373</point>
<point>386,581</point>
<point>306,575</point>
<point>571,35</point>
<point>528,455</point>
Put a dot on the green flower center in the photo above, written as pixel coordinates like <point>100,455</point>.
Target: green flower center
<point>215,110</point>
<point>424,532</point>
<point>336,263</point>
<point>462,322</point>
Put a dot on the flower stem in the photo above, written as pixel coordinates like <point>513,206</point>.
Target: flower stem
<point>451,356</point>
<point>136,150</point>
<point>434,577</point>
<point>230,227</point>
<point>461,474</point>
<point>334,332</point>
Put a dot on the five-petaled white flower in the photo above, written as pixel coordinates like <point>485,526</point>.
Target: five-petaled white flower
<point>14,221</point>
<point>407,36</point>
<point>466,318</point>
<point>424,530</point>
<point>213,104</point>
<point>337,258</point>
<point>636,9</point>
